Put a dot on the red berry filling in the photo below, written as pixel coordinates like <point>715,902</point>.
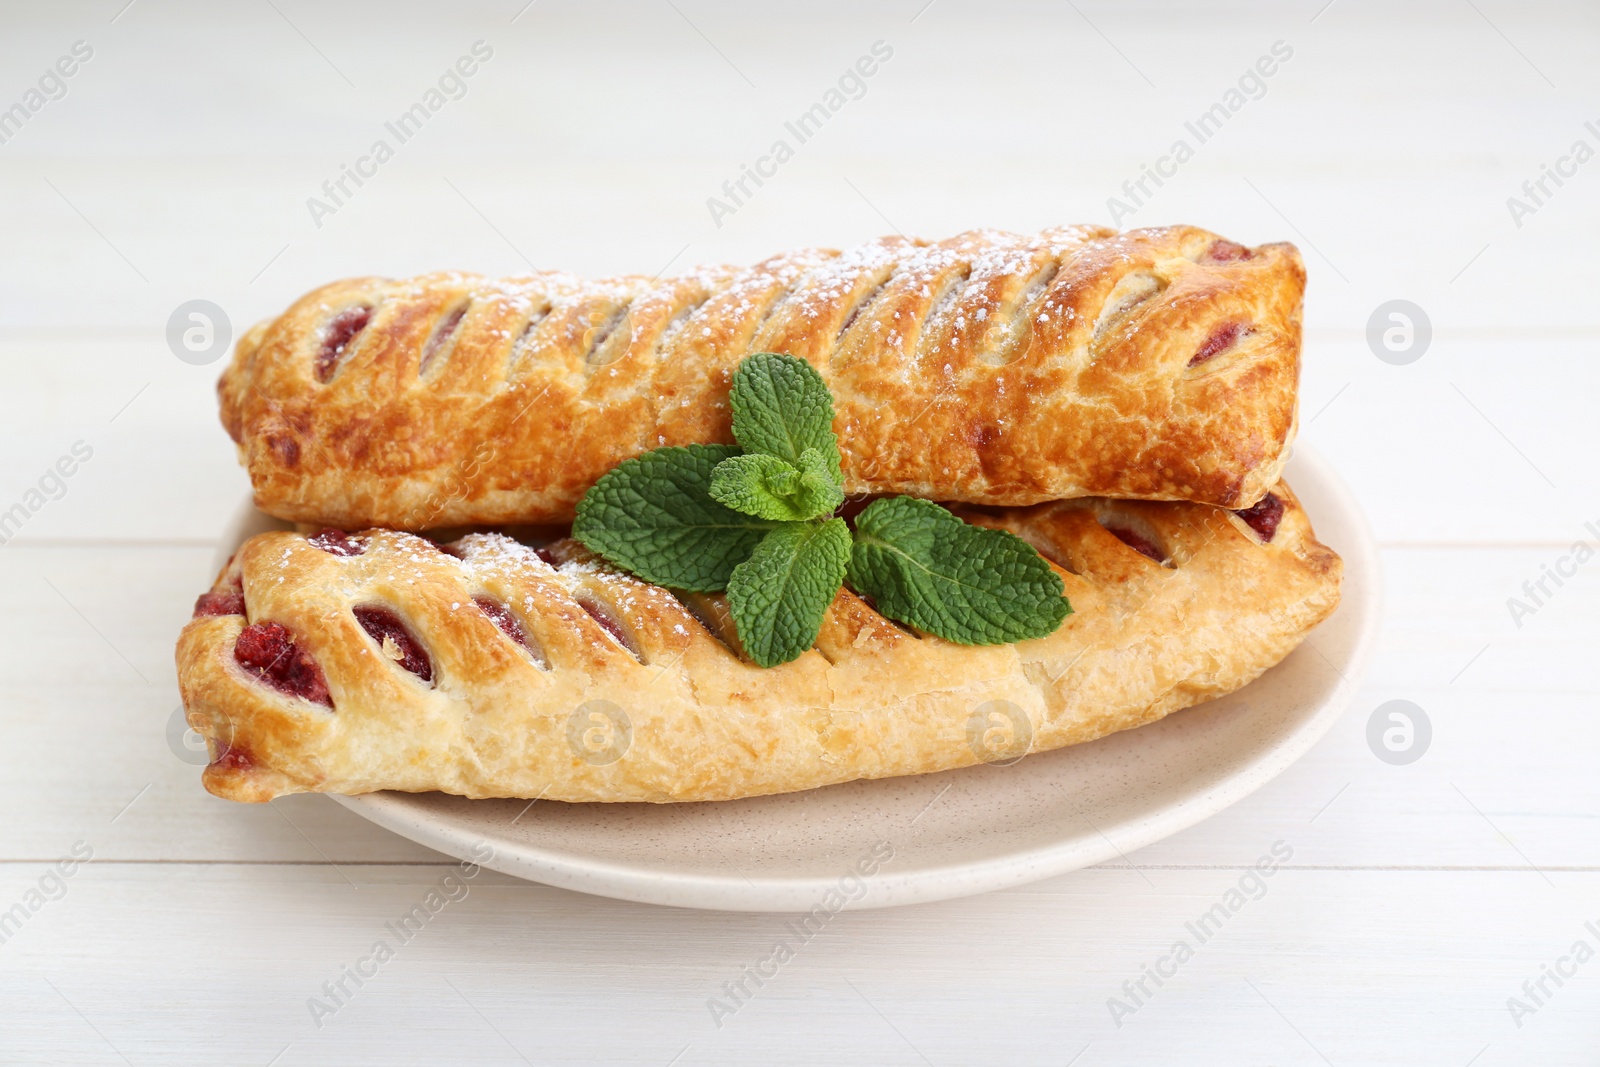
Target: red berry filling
<point>338,337</point>
<point>227,603</point>
<point>440,337</point>
<point>268,650</point>
<point>501,616</point>
<point>1138,542</point>
<point>608,622</point>
<point>1225,251</point>
<point>1264,516</point>
<point>548,556</point>
<point>1221,339</point>
<point>337,543</point>
<point>395,640</point>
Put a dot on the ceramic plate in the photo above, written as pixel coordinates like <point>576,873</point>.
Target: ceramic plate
<point>952,833</point>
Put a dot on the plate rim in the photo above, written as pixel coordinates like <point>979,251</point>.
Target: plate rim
<point>401,814</point>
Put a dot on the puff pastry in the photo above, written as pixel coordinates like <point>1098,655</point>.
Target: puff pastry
<point>990,368</point>
<point>351,663</point>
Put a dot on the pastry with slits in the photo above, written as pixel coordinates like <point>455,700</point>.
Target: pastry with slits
<point>348,663</point>
<point>990,368</point>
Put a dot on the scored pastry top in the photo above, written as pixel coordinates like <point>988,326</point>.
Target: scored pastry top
<point>380,660</point>
<point>990,368</point>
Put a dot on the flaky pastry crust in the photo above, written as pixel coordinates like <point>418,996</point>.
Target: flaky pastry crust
<point>620,691</point>
<point>991,368</point>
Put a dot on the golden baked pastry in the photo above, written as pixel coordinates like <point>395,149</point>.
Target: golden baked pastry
<point>350,663</point>
<point>990,368</point>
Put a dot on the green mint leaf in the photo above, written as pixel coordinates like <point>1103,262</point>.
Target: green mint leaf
<point>967,584</point>
<point>654,516</point>
<point>779,595</point>
<point>781,407</point>
<point>821,486</point>
<point>772,488</point>
<point>758,484</point>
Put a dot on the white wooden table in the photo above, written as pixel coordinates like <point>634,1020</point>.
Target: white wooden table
<point>177,166</point>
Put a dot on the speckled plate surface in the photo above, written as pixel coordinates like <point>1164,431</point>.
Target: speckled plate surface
<point>950,834</point>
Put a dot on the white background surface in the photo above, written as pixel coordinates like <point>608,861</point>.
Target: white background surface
<point>1418,899</point>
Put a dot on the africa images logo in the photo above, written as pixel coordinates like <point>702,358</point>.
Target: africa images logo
<point>1252,885</point>
<point>451,85</point>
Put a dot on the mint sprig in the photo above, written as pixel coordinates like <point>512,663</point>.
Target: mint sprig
<point>754,520</point>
